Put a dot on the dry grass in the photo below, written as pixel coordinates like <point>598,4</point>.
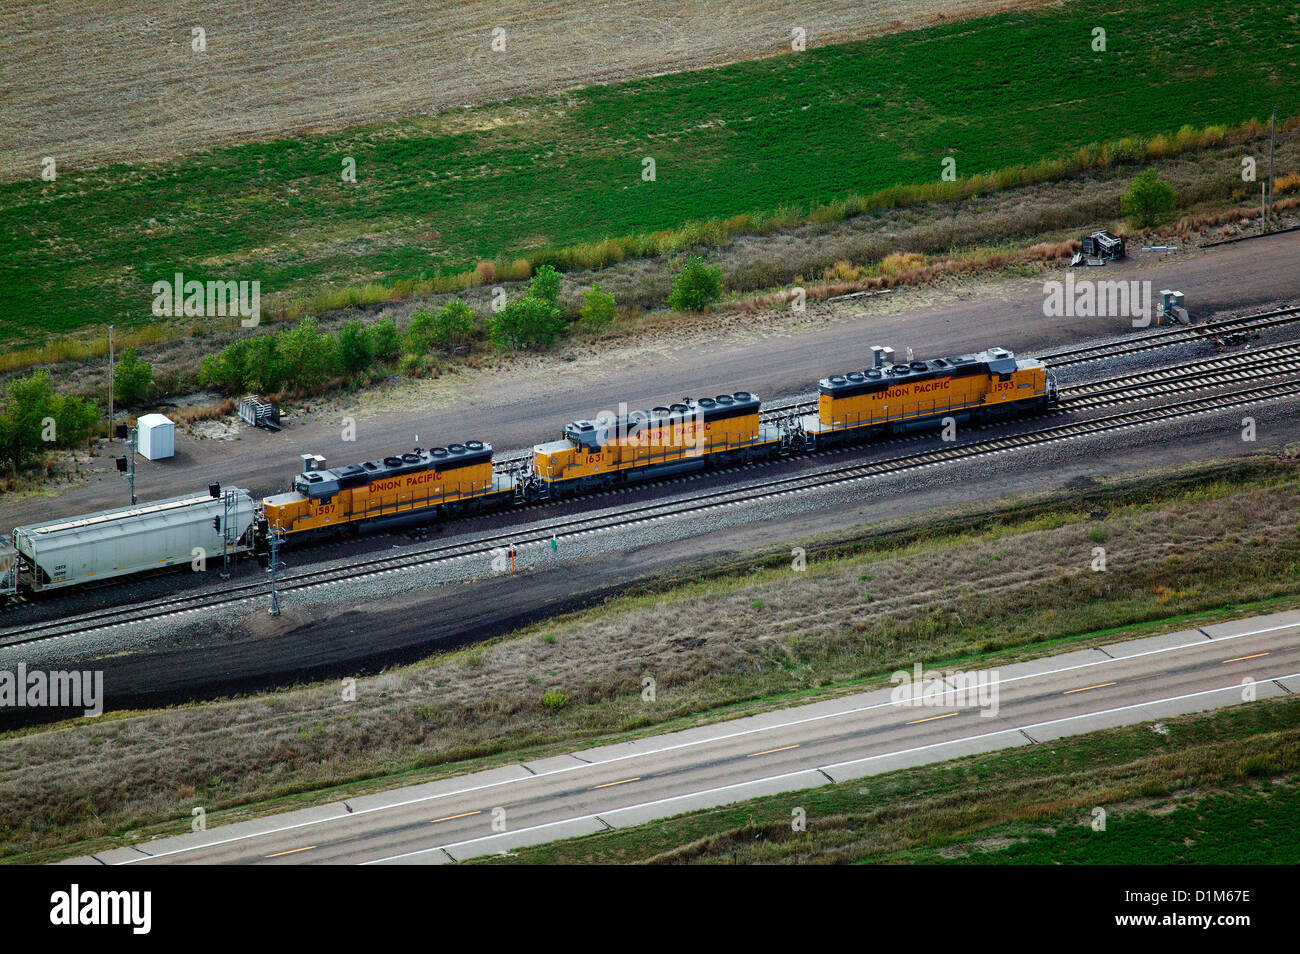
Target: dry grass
<point>276,68</point>
<point>708,645</point>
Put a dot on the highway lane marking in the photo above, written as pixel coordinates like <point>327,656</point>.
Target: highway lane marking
<point>719,738</point>
<point>291,851</point>
<point>946,715</point>
<point>604,814</point>
<point>608,784</point>
<point>1240,658</point>
<point>784,748</point>
<point>453,817</point>
<point>1100,685</point>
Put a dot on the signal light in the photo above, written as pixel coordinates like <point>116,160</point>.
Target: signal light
<point>216,524</point>
<point>120,430</point>
<point>214,490</point>
<point>121,464</point>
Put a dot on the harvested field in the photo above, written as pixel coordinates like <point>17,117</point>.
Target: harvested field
<point>98,82</point>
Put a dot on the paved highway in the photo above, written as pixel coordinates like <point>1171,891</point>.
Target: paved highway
<point>781,751</point>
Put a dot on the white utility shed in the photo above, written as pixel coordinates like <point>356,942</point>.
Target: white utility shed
<point>155,437</point>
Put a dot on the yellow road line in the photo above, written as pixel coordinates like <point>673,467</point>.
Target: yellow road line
<point>608,784</point>
<point>451,817</point>
<point>1240,658</point>
<point>946,715</point>
<point>1100,685</point>
<point>784,748</point>
<point>291,851</point>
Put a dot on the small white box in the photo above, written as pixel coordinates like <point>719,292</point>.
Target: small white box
<point>155,437</point>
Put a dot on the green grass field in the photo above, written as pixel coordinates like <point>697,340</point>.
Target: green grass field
<point>437,195</point>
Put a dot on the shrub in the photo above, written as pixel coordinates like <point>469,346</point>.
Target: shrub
<point>526,322</point>
<point>598,307</point>
<point>386,341</point>
<point>696,286</point>
<point>1149,199</point>
<point>34,418</point>
<point>308,357</point>
<point>546,285</point>
<point>453,324</point>
<point>555,699</point>
<point>356,348</point>
<point>131,378</point>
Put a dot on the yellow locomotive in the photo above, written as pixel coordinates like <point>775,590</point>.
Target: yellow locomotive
<point>413,486</point>
<point>900,396</point>
<point>639,445</point>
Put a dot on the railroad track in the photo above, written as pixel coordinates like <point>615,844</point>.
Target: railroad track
<point>1167,337</point>
<point>541,533</point>
<point>1148,341</point>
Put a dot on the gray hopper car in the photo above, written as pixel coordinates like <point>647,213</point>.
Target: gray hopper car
<point>127,540</point>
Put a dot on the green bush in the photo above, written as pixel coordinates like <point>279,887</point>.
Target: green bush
<point>308,357</point>
<point>131,378</point>
<point>546,285</point>
<point>356,348</point>
<point>386,341</point>
<point>597,307</point>
<point>527,322</point>
<point>555,699</point>
<point>34,419</point>
<point>1149,199</point>
<point>696,286</point>
<point>452,325</point>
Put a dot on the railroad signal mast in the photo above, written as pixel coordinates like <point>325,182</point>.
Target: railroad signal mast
<point>126,465</point>
<point>275,538</point>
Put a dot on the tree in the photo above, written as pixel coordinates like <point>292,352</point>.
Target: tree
<point>597,306</point>
<point>546,285</point>
<point>131,378</point>
<point>385,339</point>
<point>526,322</point>
<point>34,418</point>
<point>356,347</point>
<point>453,324</point>
<point>1149,199</point>
<point>308,358</point>
<point>696,286</point>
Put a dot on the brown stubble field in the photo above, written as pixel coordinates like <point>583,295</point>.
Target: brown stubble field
<point>92,83</point>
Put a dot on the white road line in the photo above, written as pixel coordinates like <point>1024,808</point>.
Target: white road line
<point>682,745</point>
<point>785,775</point>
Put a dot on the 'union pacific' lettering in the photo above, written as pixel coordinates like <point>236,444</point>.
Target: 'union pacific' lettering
<point>405,483</point>
<point>921,387</point>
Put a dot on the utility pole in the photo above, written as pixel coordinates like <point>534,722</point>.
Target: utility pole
<point>277,538</point>
<point>1272,135</point>
<point>110,381</point>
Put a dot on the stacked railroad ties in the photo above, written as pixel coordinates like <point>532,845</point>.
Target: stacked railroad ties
<point>590,455</point>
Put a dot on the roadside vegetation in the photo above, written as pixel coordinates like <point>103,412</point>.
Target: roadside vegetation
<point>720,638</point>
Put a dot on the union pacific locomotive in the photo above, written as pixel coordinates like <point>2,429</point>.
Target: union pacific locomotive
<point>591,455</point>
<point>428,484</point>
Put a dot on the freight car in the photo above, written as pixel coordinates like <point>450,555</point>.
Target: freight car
<point>691,435</point>
<point>421,485</point>
<point>896,397</point>
<point>127,540</point>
